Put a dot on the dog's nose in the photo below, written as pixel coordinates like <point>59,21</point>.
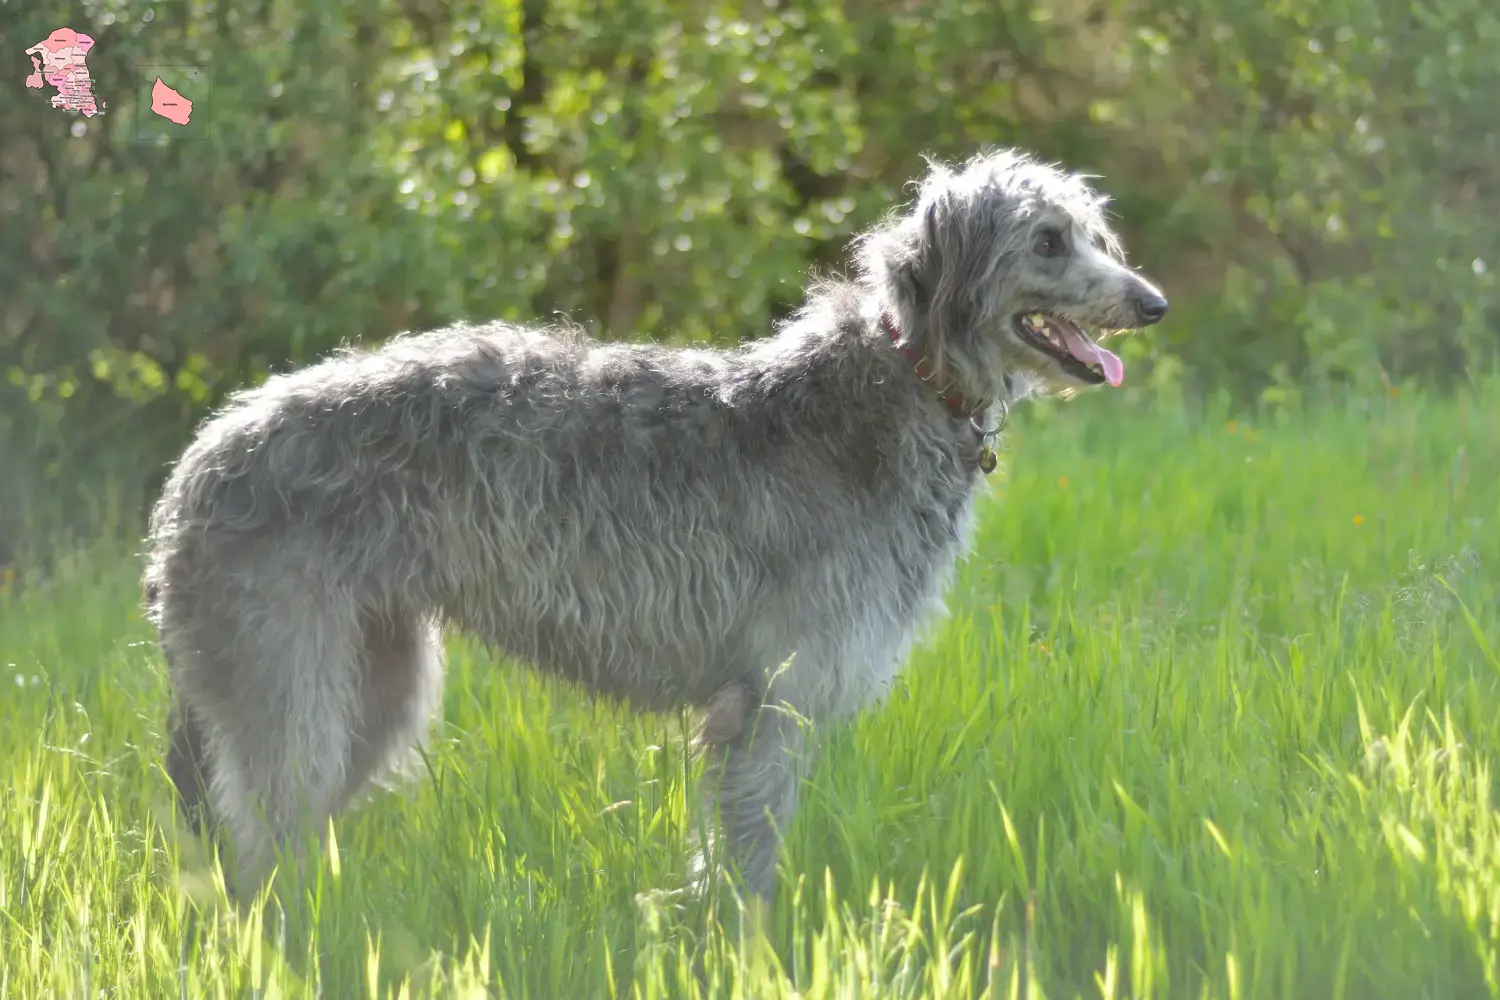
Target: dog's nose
<point>1150,307</point>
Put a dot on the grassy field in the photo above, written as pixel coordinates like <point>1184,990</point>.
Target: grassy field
<point>1215,716</point>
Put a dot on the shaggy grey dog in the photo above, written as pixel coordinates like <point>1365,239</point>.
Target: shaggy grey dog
<point>758,532</point>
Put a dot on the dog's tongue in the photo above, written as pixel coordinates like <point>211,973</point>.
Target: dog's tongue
<point>1085,350</point>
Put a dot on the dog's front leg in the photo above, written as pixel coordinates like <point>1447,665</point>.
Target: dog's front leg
<point>758,775</point>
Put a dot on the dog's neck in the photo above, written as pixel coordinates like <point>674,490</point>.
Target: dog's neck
<point>948,392</point>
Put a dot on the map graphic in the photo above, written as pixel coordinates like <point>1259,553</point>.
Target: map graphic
<point>171,102</point>
<point>59,59</point>
<point>170,99</point>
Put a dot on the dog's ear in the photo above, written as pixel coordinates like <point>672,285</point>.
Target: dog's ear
<point>936,270</point>
<point>953,307</point>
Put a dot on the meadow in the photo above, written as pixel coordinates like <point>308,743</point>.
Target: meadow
<point>1216,714</point>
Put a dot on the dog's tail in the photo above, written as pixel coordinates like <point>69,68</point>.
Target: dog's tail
<point>187,758</point>
<point>188,767</point>
<point>187,761</point>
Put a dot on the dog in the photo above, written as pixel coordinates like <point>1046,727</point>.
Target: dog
<point>761,533</point>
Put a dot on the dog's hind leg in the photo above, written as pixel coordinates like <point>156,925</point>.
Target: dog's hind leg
<point>279,706</point>
<point>400,687</point>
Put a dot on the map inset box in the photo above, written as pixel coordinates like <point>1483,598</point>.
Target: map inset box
<point>171,102</point>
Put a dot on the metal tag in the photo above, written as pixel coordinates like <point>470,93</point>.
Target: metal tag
<point>988,460</point>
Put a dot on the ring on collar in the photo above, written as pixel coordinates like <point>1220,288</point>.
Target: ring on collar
<point>988,459</point>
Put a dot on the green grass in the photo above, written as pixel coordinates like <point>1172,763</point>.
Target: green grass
<point>1215,716</point>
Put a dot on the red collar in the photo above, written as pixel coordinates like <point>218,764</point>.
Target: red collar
<point>955,402</point>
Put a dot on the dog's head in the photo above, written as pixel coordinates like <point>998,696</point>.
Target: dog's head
<point>1006,275</point>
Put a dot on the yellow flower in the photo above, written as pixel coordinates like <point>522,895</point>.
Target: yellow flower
<point>1359,519</point>
<point>1062,482</point>
<point>1232,427</point>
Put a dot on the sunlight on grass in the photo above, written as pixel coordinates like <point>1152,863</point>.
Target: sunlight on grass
<point>1216,715</point>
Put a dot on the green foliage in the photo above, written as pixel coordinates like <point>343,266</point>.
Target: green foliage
<point>1349,139</point>
<point>1216,716</point>
<point>1315,184</point>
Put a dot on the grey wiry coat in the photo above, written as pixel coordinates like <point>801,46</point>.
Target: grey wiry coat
<point>672,526</point>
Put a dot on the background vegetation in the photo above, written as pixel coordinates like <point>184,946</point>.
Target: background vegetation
<point>1315,183</point>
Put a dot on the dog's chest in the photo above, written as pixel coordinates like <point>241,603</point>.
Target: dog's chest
<point>942,525</point>
<point>920,557</point>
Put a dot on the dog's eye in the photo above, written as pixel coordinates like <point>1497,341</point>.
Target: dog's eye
<point>1049,243</point>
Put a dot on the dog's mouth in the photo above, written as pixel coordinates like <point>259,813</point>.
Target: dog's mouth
<point>1075,351</point>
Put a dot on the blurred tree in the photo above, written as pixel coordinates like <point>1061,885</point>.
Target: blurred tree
<point>1343,171</point>
<point>1315,183</point>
